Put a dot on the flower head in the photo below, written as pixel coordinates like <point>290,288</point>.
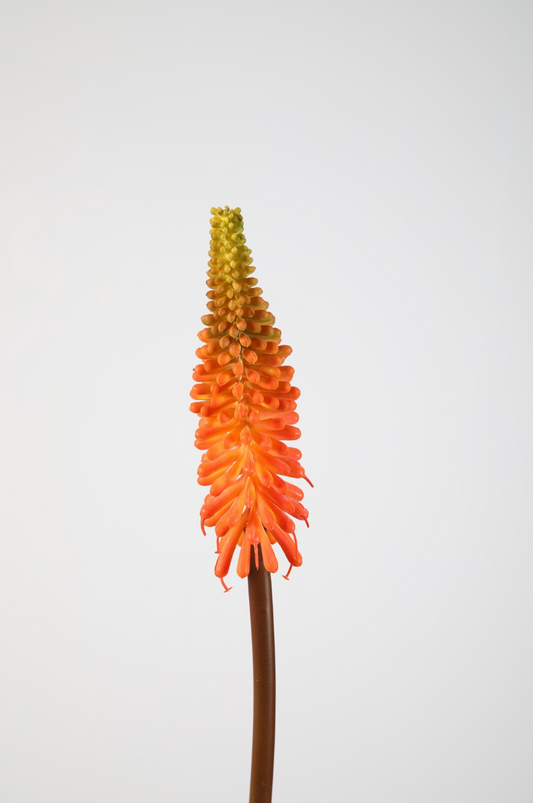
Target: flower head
<point>246,405</point>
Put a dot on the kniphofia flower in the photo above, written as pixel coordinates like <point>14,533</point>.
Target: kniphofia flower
<point>247,409</point>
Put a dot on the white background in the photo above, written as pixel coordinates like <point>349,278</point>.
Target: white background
<point>381,155</point>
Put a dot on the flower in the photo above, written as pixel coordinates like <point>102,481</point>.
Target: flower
<point>246,405</point>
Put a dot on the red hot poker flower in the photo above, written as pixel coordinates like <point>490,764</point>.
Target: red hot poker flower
<point>246,405</point>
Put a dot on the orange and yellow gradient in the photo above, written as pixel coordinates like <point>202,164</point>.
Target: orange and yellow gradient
<point>247,408</point>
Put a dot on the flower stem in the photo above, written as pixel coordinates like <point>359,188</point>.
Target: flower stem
<point>264,669</point>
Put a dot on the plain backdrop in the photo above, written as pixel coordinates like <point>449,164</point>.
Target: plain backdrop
<point>382,157</point>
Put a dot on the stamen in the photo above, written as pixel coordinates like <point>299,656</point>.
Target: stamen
<point>286,576</point>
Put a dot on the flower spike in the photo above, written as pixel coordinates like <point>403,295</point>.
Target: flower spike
<point>246,405</point>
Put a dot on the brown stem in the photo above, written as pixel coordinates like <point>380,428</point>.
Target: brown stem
<point>264,668</point>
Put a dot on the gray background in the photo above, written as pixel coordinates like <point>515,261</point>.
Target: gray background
<point>381,154</point>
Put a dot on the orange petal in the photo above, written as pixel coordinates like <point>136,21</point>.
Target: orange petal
<point>288,546</point>
<point>266,515</point>
<point>243,564</point>
<point>269,558</point>
<point>228,547</point>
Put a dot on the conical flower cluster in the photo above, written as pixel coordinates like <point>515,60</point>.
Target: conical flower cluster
<point>246,405</point>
